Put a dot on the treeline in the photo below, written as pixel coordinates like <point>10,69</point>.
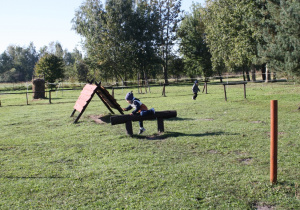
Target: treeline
<point>144,39</point>
<point>18,64</point>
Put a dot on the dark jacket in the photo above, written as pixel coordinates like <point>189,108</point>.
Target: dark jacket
<point>137,105</point>
<point>195,88</point>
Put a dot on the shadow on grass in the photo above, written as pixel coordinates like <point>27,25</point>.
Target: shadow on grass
<point>166,135</point>
<point>178,119</point>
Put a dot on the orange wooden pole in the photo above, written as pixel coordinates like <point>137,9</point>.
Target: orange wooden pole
<point>273,145</point>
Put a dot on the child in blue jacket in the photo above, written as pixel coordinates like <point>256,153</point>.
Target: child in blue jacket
<point>139,108</point>
<point>195,89</point>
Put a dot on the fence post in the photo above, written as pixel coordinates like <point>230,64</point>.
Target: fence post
<point>27,98</point>
<point>49,96</point>
<point>225,92</point>
<point>273,143</point>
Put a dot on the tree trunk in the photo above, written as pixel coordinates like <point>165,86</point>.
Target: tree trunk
<point>247,74</point>
<point>221,78</point>
<point>268,74</point>
<point>274,76</point>
<point>253,73</point>
<point>263,72</point>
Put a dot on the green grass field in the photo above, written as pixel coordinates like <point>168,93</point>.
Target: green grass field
<point>214,155</point>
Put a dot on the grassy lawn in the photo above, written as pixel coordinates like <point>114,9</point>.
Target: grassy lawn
<point>214,155</point>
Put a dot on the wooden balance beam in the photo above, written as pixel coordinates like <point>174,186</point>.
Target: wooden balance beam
<point>127,119</point>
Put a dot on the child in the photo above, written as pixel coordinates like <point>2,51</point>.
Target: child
<point>139,108</point>
<point>195,90</point>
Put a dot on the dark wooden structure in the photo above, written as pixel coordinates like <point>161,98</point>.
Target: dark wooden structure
<point>234,83</point>
<point>127,119</point>
<point>38,88</point>
<point>88,93</point>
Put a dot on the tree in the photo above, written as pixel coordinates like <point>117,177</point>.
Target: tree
<point>230,38</point>
<point>145,33</point>
<point>103,31</point>
<point>280,31</point>
<point>169,18</point>
<point>176,67</point>
<point>20,60</point>
<point>51,66</point>
<point>6,62</point>
<point>82,71</point>
<point>70,61</point>
<point>193,47</point>
<point>121,40</point>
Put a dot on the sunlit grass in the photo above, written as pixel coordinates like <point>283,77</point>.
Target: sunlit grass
<point>214,155</point>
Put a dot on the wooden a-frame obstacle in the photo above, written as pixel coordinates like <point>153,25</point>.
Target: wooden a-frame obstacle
<point>88,93</point>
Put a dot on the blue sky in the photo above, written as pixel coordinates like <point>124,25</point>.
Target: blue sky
<point>43,21</point>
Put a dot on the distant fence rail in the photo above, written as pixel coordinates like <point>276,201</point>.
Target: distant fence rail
<point>140,87</point>
<point>26,93</point>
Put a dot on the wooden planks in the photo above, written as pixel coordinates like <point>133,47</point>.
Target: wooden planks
<point>85,96</point>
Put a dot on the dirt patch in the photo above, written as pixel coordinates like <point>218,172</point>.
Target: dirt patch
<point>262,206</point>
<point>213,151</point>
<point>246,161</point>
<point>100,119</point>
<point>258,121</point>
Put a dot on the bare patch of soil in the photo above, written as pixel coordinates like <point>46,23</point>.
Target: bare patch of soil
<point>246,161</point>
<point>262,206</point>
<point>258,121</point>
<point>100,119</point>
<point>213,151</point>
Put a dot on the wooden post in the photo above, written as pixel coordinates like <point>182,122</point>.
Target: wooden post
<point>128,126</point>
<point>244,90</point>
<point>49,96</point>
<point>273,145</point>
<point>160,125</point>
<point>225,92</point>
<point>73,113</point>
<point>27,98</point>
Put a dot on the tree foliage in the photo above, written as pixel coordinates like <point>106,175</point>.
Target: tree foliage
<point>280,30</point>
<point>126,38</point>
<point>169,14</point>
<point>230,39</point>
<point>193,44</point>
<point>17,63</point>
<point>51,66</point>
